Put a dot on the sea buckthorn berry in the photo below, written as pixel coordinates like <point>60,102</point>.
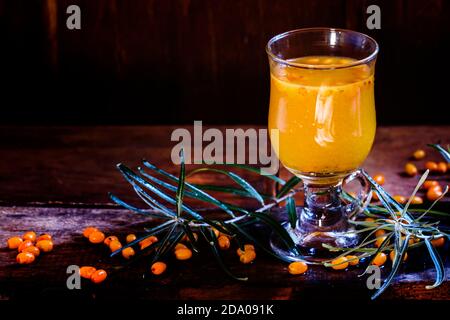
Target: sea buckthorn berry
<point>392,256</point>
<point>441,167</point>
<point>147,242</point>
<point>379,241</point>
<point>297,267</point>
<point>30,235</point>
<point>339,263</point>
<point>430,184</point>
<point>417,200</point>
<point>434,193</point>
<point>439,242</point>
<point>224,242</point>
<point>25,258</point>
<point>44,236</point>
<point>128,252</point>
<point>158,268</point>
<point>375,196</point>
<point>419,154</point>
<point>14,242</point>
<point>24,245</point>
<point>379,178</point>
<point>431,165</point>
<point>99,276</point>
<point>115,245</point>
<point>96,237</point>
<point>248,256</point>
<point>380,233</point>
<point>33,250</point>
<point>352,260</point>
<point>247,247</point>
<point>130,238</point>
<point>438,187</point>
<point>400,199</point>
<point>369,220</point>
<point>380,259</point>
<point>87,272</point>
<point>87,232</point>
<point>183,254</point>
<point>45,245</point>
<point>108,240</point>
<point>411,169</point>
<point>180,246</point>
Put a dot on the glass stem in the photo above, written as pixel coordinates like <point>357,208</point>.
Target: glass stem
<point>322,205</point>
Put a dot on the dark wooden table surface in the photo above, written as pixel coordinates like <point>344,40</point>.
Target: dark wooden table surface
<point>56,180</point>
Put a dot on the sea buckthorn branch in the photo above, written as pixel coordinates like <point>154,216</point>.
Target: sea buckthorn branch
<point>406,231</point>
<point>168,200</point>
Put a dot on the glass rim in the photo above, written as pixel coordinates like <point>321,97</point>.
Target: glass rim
<point>320,67</point>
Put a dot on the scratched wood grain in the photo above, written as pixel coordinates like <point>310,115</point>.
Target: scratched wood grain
<point>56,180</point>
<point>68,165</point>
<point>198,278</point>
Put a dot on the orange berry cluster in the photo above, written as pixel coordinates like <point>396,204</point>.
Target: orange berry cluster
<point>247,255</point>
<point>342,263</point>
<point>113,243</point>
<point>432,188</point>
<point>181,250</point>
<point>434,167</point>
<point>30,246</point>
<point>91,273</point>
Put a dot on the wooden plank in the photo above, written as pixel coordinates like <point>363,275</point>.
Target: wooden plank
<point>198,278</point>
<point>76,165</point>
<point>174,61</point>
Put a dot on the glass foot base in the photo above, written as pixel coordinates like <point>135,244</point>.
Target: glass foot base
<point>310,237</point>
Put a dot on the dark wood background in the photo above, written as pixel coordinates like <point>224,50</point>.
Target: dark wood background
<point>173,61</point>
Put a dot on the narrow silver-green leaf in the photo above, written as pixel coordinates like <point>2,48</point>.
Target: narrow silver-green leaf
<point>257,171</point>
<point>439,266</point>
<point>180,189</point>
<point>240,181</point>
<point>399,255</point>
<point>149,232</point>
<point>138,210</point>
<point>291,211</point>
<point>196,192</point>
<point>442,151</point>
<point>278,229</point>
<point>290,184</point>
<point>231,190</point>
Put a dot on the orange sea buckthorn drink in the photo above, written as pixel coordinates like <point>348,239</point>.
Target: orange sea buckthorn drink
<point>325,116</point>
<point>322,111</point>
